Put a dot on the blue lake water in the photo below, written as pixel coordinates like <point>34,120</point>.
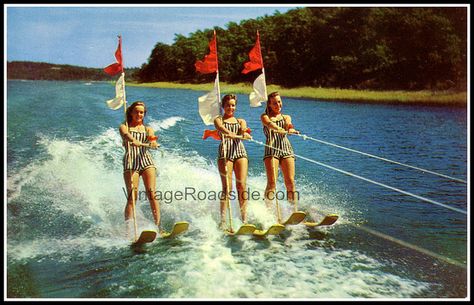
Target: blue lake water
<point>65,201</point>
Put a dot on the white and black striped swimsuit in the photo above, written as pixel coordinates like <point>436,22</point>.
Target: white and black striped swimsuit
<point>234,147</point>
<point>280,145</point>
<point>141,158</point>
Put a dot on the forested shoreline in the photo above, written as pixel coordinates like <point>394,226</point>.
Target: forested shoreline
<point>45,71</point>
<point>357,48</point>
<point>379,48</point>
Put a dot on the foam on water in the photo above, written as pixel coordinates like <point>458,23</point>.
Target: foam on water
<point>82,183</point>
<point>166,123</point>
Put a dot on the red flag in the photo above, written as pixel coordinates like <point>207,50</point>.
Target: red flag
<point>211,133</point>
<point>209,64</point>
<point>117,67</point>
<point>255,55</point>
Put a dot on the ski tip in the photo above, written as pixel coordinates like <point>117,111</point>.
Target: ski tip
<point>273,230</point>
<point>178,228</point>
<point>147,236</point>
<point>327,221</point>
<point>245,229</point>
<point>295,218</point>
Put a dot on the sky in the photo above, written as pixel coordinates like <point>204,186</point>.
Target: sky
<point>87,35</point>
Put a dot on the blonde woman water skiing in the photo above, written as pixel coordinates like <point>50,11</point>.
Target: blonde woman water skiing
<point>278,149</point>
<point>232,156</point>
<point>138,161</point>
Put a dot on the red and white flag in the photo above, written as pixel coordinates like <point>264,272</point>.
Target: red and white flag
<point>209,104</point>
<point>259,93</point>
<point>116,67</point>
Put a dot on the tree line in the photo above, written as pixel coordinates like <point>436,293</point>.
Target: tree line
<point>352,47</point>
<point>379,48</point>
<point>46,71</point>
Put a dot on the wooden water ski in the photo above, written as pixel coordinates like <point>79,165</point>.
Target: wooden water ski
<point>327,221</point>
<point>295,218</point>
<point>245,229</point>
<point>273,230</point>
<point>147,236</point>
<point>178,228</point>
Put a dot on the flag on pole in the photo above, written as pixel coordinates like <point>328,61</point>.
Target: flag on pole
<point>255,55</point>
<point>209,104</point>
<point>209,63</point>
<point>116,67</point>
<point>119,99</point>
<point>259,93</point>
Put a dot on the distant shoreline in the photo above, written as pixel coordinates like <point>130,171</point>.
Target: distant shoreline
<point>446,98</point>
<point>424,97</point>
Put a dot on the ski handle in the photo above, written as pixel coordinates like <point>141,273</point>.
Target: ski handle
<point>239,137</point>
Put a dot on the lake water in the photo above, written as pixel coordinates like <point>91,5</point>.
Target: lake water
<point>65,201</point>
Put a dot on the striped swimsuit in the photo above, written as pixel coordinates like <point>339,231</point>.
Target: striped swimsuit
<point>140,156</point>
<point>234,147</point>
<point>280,145</point>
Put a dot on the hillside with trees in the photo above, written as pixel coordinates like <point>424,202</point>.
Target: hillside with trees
<point>45,71</point>
<point>354,47</point>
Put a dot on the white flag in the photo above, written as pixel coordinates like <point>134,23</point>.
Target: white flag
<point>259,93</point>
<point>209,106</point>
<point>118,101</point>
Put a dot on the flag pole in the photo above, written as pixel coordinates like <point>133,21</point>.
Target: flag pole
<point>217,76</point>
<point>261,60</point>
<point>129,152</point>
<point>224,146</point>
<point>227,189</point>
<point>130,162</point>
<point>275,177</point>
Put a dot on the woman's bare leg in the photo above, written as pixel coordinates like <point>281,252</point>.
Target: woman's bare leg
<point>241,170</point>
<point>288,169</point>
<point>149,180</point>
<point>130,177</point>
<point>271,168</point>
<point>226,187</point>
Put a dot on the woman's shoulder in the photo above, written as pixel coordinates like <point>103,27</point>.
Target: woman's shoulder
<point>218,119</point>
<point>148,128</point>
<point>123,127</point>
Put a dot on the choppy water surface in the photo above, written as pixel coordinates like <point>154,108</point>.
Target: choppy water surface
<point>65,202</point>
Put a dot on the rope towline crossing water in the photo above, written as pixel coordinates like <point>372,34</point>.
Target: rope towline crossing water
<point>380,158</point>
<point>372,181</point>
<point>392,239</point>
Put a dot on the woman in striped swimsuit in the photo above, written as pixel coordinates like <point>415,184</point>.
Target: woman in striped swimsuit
<point>278,149</point>
<point>137,160</point>
<point>232,155</point>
